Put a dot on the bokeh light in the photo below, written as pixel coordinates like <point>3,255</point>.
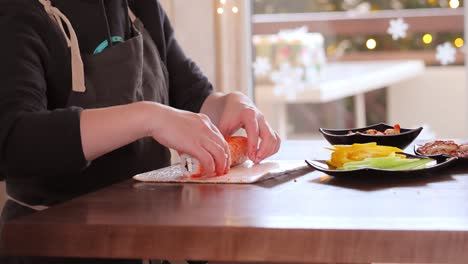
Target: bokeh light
<point>427,38</point>
<point>371,44</point>
<point>458,42</point>
<point>454,3</point>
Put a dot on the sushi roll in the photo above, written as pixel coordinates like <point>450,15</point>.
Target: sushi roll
<point>193,167</point>
<point>237,148</point>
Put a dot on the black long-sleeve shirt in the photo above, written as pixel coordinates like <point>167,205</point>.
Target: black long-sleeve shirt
<point>39,136</point>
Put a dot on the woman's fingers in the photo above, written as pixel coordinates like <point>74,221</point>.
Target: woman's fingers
<point>206,161</point>
<point>278,143</point>
<point>257,128</point>
<point>252,130</point>
<point>223,143</point>
<point>270,141</point>
<point>216,146</point>
<point>219,156</point>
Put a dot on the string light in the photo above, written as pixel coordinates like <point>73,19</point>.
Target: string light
<point>371,44</point>
<point>427,38</point>
<point>458,42</point>
<point>223,3</point>
<point>454,3</point>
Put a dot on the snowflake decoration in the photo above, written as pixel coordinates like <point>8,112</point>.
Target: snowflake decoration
<point>362,8</point>
<point>349,4</point>
<point>288,81</point>
<point>293,34</point>
<point>261,66</point>
<point>446,53</point>
<point>397,28</point>
<point>306,57</point>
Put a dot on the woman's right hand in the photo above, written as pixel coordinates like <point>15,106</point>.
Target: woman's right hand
<point>190,133</point>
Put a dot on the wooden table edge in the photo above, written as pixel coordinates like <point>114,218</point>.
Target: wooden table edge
<point>237,243</point>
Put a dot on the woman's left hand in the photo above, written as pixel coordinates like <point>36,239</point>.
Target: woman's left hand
<point>240,112</point>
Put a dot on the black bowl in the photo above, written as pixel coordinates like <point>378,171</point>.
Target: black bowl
<point>341,136</point>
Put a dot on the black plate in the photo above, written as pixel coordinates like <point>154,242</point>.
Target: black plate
<point>341,137</point>
<point>374,174</point>
<point>438,156</point>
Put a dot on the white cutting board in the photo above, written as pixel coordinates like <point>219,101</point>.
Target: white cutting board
<point>245,173</point>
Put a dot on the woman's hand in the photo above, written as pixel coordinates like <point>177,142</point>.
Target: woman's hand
<point>106,129</point>
<point>189,133</point>
<point>238,111</point>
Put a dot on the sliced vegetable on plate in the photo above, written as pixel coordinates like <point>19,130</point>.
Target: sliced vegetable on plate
<point>373,161</point>
<point>388,163</point>
<point>343,154</point>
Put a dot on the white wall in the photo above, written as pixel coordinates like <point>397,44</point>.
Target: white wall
<point>437,98</point>
<point>194,25</point>
<point>219,44</point>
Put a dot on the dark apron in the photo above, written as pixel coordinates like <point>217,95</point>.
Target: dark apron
<point>128,72</point>
<point>125,73</point>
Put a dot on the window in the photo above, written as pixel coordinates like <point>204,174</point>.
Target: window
<point>395,61</point>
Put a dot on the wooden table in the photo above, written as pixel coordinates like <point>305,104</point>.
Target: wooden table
<point>338,80</point>
<point>302,217</point>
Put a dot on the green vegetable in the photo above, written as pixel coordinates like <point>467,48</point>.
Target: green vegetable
<point>389,163</point>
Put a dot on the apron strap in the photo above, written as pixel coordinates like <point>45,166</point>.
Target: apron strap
<point>78,78</point>
<point>33,207</point>
<point>131,15</point>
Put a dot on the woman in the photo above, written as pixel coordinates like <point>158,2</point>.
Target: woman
<point>96,91</point>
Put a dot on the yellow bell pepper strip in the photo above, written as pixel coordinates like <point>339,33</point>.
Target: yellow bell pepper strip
<point>348,153</point>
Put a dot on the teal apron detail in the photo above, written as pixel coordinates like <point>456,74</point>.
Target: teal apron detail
<point>105,44</point>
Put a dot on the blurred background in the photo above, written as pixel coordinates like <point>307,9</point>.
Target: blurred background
<point>335,63</point>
